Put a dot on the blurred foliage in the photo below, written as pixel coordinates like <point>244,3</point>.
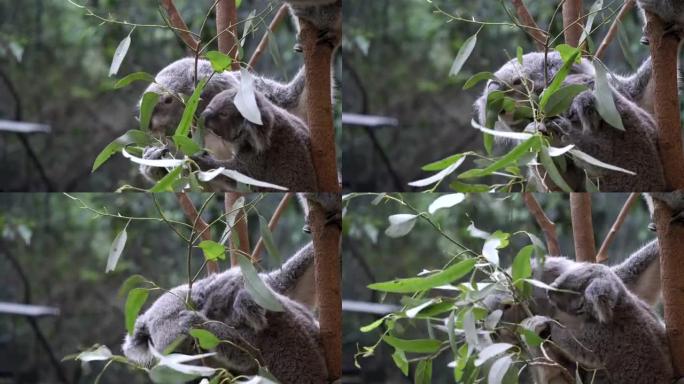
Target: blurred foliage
<point>63,249</point>
<point>370,255</point>
<point>58,59</point>
<point>397,58</point>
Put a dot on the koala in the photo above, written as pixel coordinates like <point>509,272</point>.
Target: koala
<point>674,200</point>
<point>278,151</point>
<point>287,342</point>
<point>603,326</point>
<point>178,80</point>
<point>639,273</point>
<point>582,126</point>
<point>671,12</point>
<point>326,15</point>
<point>331,204</point>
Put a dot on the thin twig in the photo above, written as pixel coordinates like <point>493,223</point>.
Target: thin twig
<point>256,253</point>
<point>602,253</point>
<point>198,225</point>
<point>612,32</point>
<point>547,226</point>
<point>279,16</point>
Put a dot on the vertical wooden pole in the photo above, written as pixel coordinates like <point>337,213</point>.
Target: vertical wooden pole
<point>226,28</point>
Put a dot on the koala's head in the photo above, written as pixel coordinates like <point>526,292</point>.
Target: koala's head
<point>521,82</point>
<point>223,119</point>
<point>175,83</point>
<point>589,291</point>
<point>513,312</point>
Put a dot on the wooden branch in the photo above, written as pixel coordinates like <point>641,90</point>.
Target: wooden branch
<point>671,242</point>
<point>572,21</point>
<point>317,62</point>
<point>240,227</point>
<point>199,225</point>
<point>582,227</point>
<point>547,226</point>
<point>326,240</point>
<point>277,19</point>
<point>530,26</point>
<point>603,251</point>
<point>226,28</point>
<point>177,22</point>
<point>256,253</point>
<point>664,51</point>
<point>612,32</point>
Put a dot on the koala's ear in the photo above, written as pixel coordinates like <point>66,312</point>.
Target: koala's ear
<point>602,296</point>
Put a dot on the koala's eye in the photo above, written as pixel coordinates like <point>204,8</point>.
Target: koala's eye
<point>517,81</point>
<point>168,99</point>
<point>223,114</point>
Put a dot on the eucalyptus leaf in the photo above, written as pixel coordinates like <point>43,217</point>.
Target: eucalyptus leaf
<point>605,103</point>
<point>116,249</point>
<point>260,293</point>
<point>119,55</point>
<point>134,303</point>
<point>417,284</point>
<point>400,225</point>
<point>463,55</point>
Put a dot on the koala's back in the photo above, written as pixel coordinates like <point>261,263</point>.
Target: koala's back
<point>291,345</point>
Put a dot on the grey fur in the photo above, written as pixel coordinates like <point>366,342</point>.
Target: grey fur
<point>325,15</point>
<point>605,327</point>
<point>639,273</point>
<point>635,149</point>
<point>278,152</point>
<point>288,342</point>
<point>674,200</point>
<point>178,80</point>
<point>671,12</point>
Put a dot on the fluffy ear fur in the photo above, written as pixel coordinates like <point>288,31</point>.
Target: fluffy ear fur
<point>602,296</point>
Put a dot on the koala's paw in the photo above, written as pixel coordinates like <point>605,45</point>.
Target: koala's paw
<point>154,174</point>
<point>188,319</point>
<point>562,130</point>
<point>591,290</point>
<point>583,109</point>
<point>540,325</point>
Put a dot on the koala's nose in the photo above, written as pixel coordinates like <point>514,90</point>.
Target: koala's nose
<point>208,115</point>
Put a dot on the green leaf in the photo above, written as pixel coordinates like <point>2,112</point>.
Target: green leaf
<point>438,176</point>
<point>598,163</point>
<point>400,225</point>
<point>116,249</point>
<point>469,188</point>
<point>183,128</point>
<point>443,164</point>
<point>186,145</point>
<point>129,284</point>
<point>149,101</point>
<point>522,267</point>
<point>98,353</point>
<point>593,11</point>
<point>531,338</point>
<point>163,374</point>
<point>400,361</point>
<point>260,293</point>
<point>219,61</point>
<point>561,100</point>
<point>267,237</point>
<point>206,339</point>
<point>498,370</point>
<point>519,55</point>
<point>136,76</point>
<point>566,52</point>
<point>134,303</point>
<point>212,250</point>
<point>463,54</point>
<point>510,158</point>
<point>423,373</point>
<point>413,346</point>
<point>478,77</point>
<point>130,137</point>
<point>373,325</point>
<point>605,104</point>
<point>552,171</point>
<point>416,284</point>
<point>491,351</point>
<point>119,55</point>
<point>558,79</point>
<point>166,182</point>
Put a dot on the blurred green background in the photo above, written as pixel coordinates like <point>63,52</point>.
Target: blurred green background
<point>397,58</point>
<point>61,250</point>
<point>371,256</point>
<point>54,64</point>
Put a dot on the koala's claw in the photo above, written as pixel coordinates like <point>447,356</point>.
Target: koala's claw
<point>540,325</point>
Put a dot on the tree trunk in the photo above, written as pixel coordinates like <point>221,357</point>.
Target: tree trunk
<point>582,227</point>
